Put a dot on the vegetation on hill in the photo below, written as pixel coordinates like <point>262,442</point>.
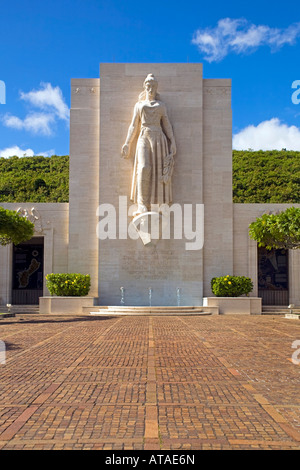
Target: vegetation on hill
<point>34,179</point>
<point>258,177</point>
<point>266,176</point>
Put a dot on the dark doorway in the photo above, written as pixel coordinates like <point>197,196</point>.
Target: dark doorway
<point>273,278</point>
<point>28,272</point>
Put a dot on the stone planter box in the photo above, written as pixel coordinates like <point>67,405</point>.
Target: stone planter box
<point>64,305</point>
<point>235,305</point>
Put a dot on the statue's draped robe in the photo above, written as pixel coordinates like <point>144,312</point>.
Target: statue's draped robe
<point>147,137</point>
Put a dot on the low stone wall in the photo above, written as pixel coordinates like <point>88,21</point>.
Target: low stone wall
<point>64,305</point>
<point>235,305</point>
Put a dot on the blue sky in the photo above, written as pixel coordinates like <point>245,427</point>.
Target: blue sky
<point>45,44</point>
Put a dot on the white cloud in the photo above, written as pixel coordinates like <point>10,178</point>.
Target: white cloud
<point>17,151</point>
<point>268,135</point>
<point>239,36</point>
<point>48,98</point>
<point>52,107</point>
<point>46,153</point>
<point>12,121</point>
<point>37,123</point>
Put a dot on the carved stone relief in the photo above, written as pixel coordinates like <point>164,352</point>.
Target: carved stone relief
<point>33,216</point>
<point>219,91</point>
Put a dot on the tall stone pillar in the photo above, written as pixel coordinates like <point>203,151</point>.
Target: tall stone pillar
<point>217,181</point>
<point>84,179</point>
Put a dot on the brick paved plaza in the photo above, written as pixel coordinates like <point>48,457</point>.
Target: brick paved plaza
<point>152,382</point>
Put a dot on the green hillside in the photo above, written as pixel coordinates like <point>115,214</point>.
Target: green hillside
<point>266,176</point>
<point>34,179</point>
<point>272,176</point>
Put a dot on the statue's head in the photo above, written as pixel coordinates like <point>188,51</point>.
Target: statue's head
<point>150,79</point>
<point>150,85</point>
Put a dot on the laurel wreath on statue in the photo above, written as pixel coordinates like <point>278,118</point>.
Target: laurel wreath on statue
<point>168,166</point>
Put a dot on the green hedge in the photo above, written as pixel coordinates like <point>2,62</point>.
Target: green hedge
<point>68,284</point>
<point>231,286</point>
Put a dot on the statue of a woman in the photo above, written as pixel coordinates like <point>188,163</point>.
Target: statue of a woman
<point>154,152</point>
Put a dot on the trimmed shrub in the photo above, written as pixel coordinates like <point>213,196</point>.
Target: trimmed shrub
<point>231,286</point>
<point>68,284</point>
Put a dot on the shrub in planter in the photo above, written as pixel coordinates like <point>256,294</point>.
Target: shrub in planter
<point>231,286</point>
<point>68,284</point>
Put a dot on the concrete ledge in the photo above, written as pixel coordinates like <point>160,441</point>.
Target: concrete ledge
<point>235,305</point>
<point>64,305</point>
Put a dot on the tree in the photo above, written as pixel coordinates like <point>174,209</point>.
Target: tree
<point>39,183</point>
<point>277,231</point>
<point>14,228</point>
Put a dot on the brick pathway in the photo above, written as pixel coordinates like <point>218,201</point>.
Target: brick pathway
<point>158,383</point>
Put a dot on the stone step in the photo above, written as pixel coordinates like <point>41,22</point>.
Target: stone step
<point>20,308</point>
<point>7,315</point>
<point>279,310</point>
<point>278,307</point>
<point>153,310</point>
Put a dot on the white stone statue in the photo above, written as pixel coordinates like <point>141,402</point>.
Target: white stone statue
<point>150,139</point>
